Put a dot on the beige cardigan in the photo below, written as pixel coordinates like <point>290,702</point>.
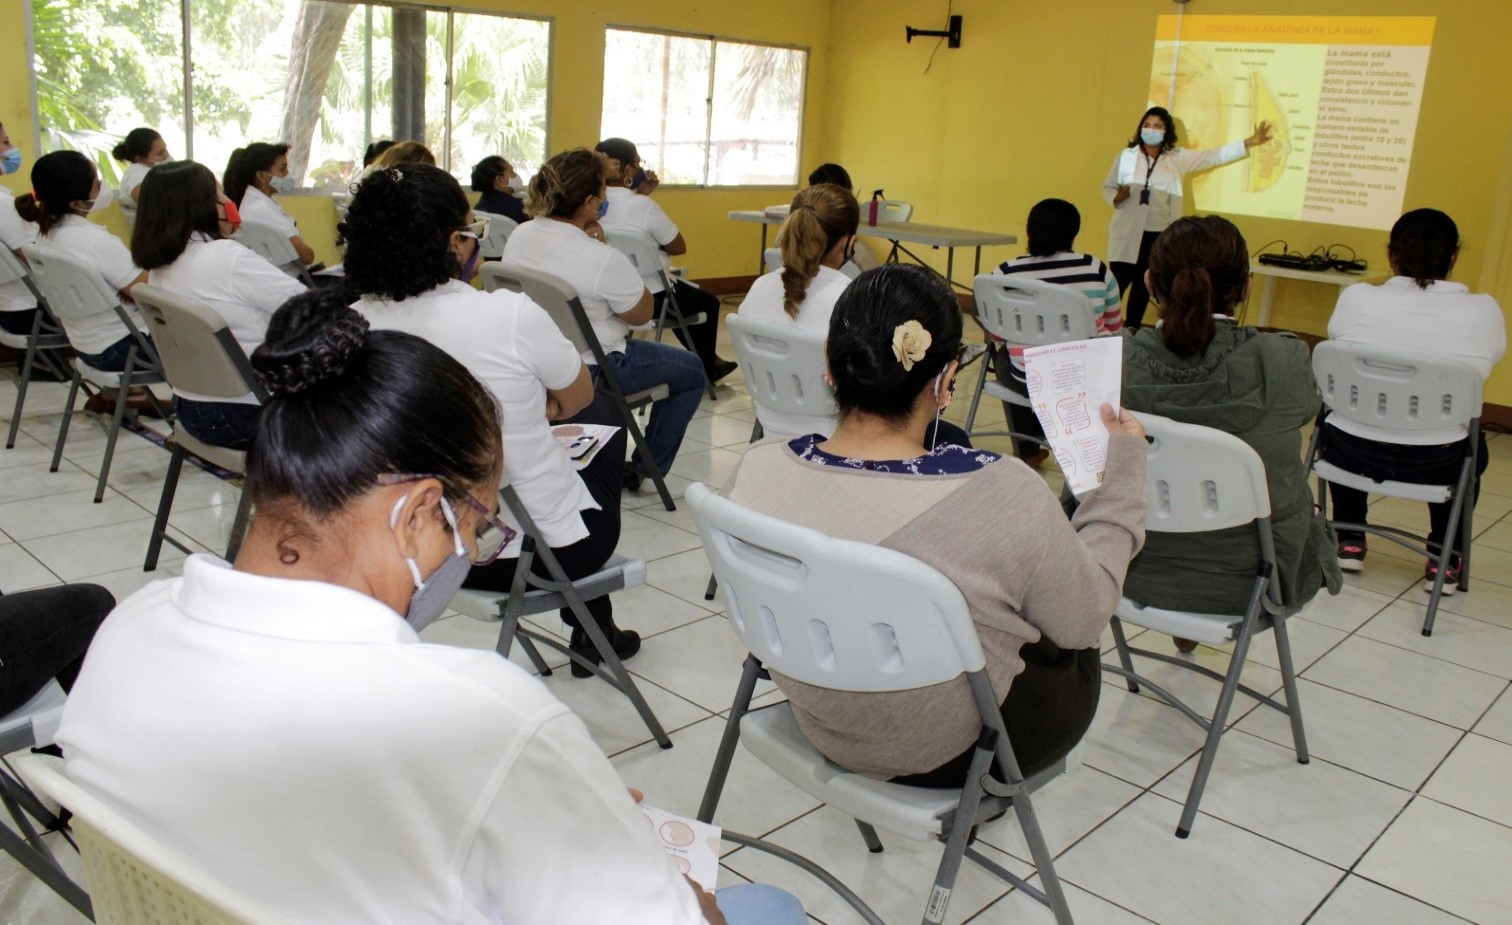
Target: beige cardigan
<point>1000,535</point>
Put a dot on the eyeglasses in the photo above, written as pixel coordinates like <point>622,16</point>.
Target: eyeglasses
<point>478,230</point>
<point>493,534</point>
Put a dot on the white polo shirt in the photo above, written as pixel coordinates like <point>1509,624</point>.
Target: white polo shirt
<point>258,206</point>
<point>132,177</point>
<point>512,346</point>
<point>764,303</point>
<point>15,233</point>
<point>236,282</point>
<point>96,246</point>
<point>630,211</point>
<point>606,281</point>
<point>1446,320</point>
<point>301,743</point>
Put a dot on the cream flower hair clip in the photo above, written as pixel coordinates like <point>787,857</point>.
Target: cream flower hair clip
<point>910,343</point>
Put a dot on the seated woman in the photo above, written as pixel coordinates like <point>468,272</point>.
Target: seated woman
<point>141,150</point>
<point>18,306</point>
<point>287,700</point>
<point>253,175</point>
<point>64,187</point>
<point>181,240</point>
<point>567,198</point>
<point>1199,367</point>
<point>496,179</point>
<point>418,283</point>
<point>632,209</point>
<point>1418,310</point>
<point>1040,587</point>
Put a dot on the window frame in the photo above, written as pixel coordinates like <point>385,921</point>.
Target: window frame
<point>187,71</point>
<point>714,41</point>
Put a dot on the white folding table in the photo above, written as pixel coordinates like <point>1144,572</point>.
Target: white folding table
<point>1271,272</point>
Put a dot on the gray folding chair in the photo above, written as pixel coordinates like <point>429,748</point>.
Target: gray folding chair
<point>531,594</point>
<point>32,725</point>
<point>1024,313</point>
<point>850,616</point>
<point>561,302</point>
<point>75,291</point>
<point>134,878</point>
<point>275,247</point>
<point>500,227</point>
<point>646,257</point>
<point>200,355</point>
<point>46,337</point>
<point>1200,480</point>
<point>1409,393</point>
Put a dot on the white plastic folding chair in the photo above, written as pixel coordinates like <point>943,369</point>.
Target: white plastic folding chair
<point>531,594</point>
<point>561,302</point>
<point>1199,480</point>
<point>37,346</point>
<point>200,355</point>
<point>850,616</point>
<point>647,259</point>
<point>76,290</point>
<point>784,367</point>
<point>892,210</point>
<point>1023,313</point>
<point>773,258</point>
<point>134,878</point>
<point>500,227</point>
<point>34,724</point>
<point>1408,393</point>
<point>275,247</point>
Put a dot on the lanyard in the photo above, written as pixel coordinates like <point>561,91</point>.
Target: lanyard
<point>1150,166</point>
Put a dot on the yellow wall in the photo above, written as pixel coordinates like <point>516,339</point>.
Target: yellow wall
<point>1041,95</point>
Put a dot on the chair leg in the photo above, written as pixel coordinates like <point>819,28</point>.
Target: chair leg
<point>114,433</point>
<point>165,507</point>
<point>26,370</point>
<point>869,835</point>
<point>643,450</point>
<point>73,396</point>
<point>42,865</point>
<point>534,654</point>
<point>713,587</point>
<point>726,754</point>
<point>956,837</point>
<point>239,526</point>
<point>611,661</point>
<point>1220,715</point>
<point>976,397</point>
<point>1124,658</point>
<point>1289,682</point>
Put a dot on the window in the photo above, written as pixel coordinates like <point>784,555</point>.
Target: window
<point>327,76</point>
<point>705,111</point>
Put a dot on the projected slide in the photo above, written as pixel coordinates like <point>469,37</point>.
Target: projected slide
<point>1341,91</point>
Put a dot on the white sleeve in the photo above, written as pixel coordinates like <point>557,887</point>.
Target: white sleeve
<point>1491,328</point>
<point>544,347</point>
<point>114,262</point>
<point>1110,182</point>
<point>562,842</point>
<point>659,225</point>
<point>619,283</point>
<point>15,232</point>
<point>1189,161</point>
<point>259,283</point>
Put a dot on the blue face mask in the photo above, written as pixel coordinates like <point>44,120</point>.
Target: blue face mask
<point>603,208</point>
<point>281,184</point>
<point>1151,136</point>
<point>10,161</point>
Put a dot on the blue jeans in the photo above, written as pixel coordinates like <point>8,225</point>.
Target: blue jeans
<point>646,363</point>
<point>113,358</point>
<point>759,904</point>
<point>218,423</point>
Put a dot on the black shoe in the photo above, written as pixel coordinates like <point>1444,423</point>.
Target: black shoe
<point>625,643</point>
<point>633,481</point>
<point>721,368</point>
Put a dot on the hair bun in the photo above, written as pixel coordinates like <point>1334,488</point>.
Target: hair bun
<point>311,339</point>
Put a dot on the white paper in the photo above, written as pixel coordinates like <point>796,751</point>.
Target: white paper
<point>693,845</point>
<point>568,436</point>
<point>1068,385</point>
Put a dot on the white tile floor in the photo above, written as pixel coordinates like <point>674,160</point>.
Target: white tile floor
<point>1403,816</point>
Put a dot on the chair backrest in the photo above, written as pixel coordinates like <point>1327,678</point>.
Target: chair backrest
<point>1032,312</point>
<point>268,242</point>
<point>133,878</point>
<point>773,257</point>
<point>12,270</point>
<point>499,229</point>
<point>890,210</point>
<point>643,253</point>
<point>74,289</point>
<point>1396,390</point>
<point>834,613</point>
<point>1199,479</point>
<point>555,295</point>
<point>195,344</point>
<point>783,365</point>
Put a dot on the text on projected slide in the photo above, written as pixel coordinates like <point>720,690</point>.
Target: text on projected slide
<point>1342,94</point>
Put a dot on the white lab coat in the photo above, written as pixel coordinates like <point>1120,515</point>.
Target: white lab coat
<point>1130,218</point>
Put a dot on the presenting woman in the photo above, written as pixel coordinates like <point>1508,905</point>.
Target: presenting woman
<point>1040,587</point>
<point>286,699</point>
<point>1144,189</point>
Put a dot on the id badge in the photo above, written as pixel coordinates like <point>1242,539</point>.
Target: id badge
<point>1144,196</point>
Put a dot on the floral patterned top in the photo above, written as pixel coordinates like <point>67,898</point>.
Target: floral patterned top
<point>945,459</point>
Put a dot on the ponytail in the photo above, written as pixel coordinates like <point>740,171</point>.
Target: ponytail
<point>1199,267</point>
<point>820,216</point>
<point>1186,314</point>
